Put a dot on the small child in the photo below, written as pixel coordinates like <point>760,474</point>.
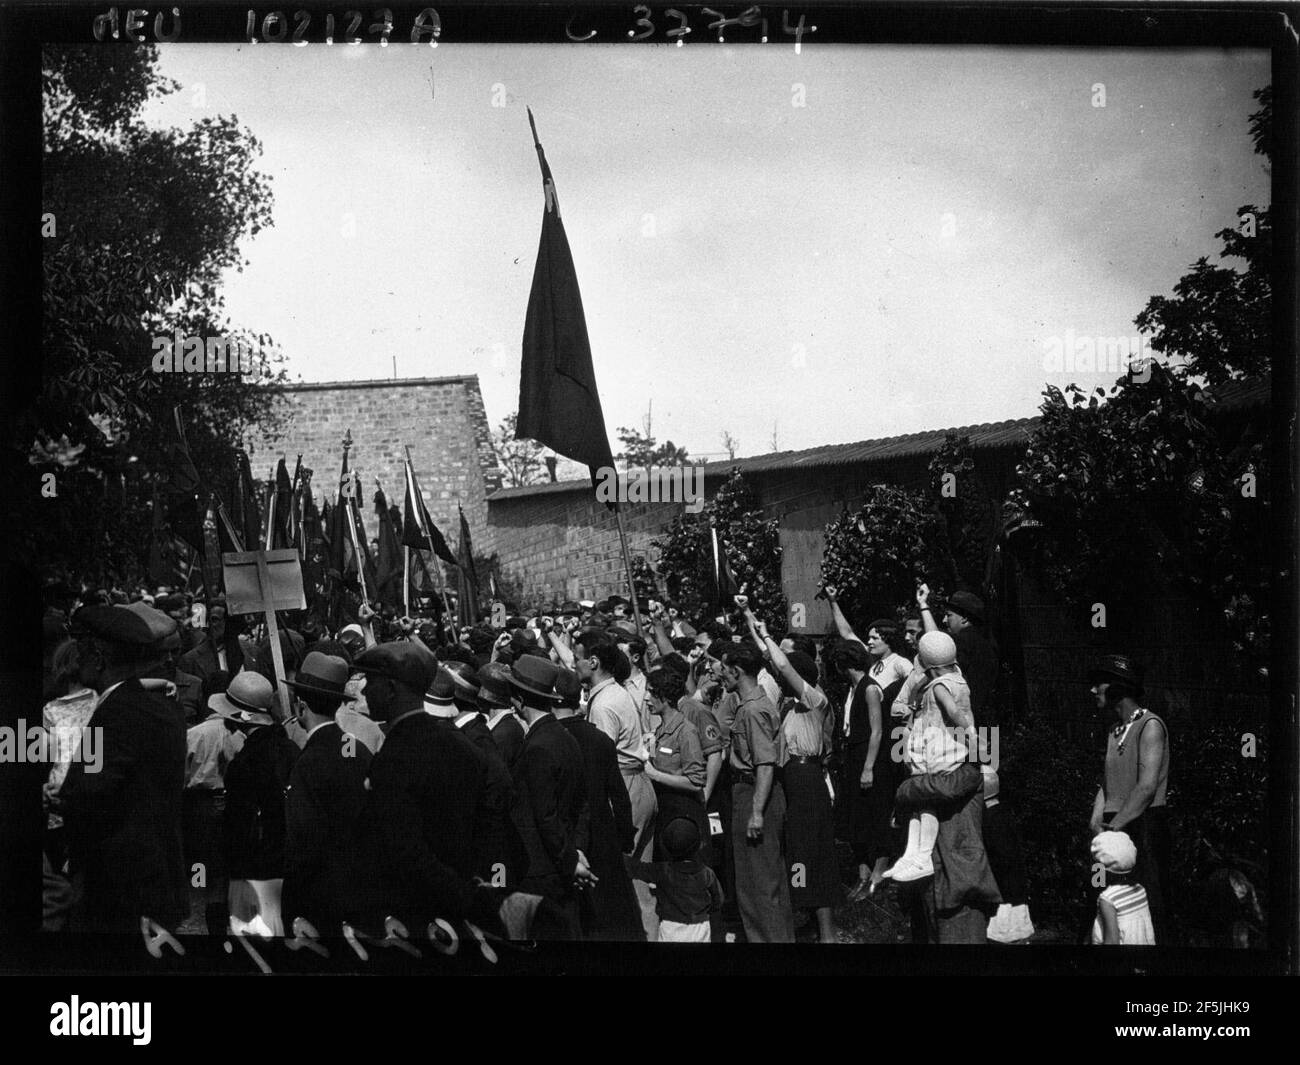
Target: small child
<point>933,748</point>
<point>686,890</point>
<point>1123,914</point>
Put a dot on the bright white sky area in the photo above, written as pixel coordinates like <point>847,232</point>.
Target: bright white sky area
<point>893,256</point>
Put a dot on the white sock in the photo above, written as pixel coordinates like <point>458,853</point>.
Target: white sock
<point>928,832</point>
<point>913,839</point>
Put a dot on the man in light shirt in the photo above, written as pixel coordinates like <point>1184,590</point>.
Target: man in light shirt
<point>611,709</point>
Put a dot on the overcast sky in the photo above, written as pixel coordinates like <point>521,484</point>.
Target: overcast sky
<point>893,256</point>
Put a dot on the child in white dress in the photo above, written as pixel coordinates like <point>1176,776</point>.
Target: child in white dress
<point>1123,914</point>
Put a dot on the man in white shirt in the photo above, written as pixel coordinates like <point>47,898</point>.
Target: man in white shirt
<point>611,709</point>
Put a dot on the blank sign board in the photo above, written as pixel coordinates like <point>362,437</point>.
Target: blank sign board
<point>258,581</point>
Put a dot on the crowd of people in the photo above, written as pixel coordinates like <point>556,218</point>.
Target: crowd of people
<point>577,774</point>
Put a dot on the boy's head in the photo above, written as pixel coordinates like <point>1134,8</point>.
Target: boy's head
<point>681,839</point>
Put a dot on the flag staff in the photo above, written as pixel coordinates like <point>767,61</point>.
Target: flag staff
<point>627,566</point>
<point>349,500</point>
<point>406,579</point>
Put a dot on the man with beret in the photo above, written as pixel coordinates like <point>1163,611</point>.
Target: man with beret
<point>452,697</point>
<point>1133,792</point>
<point>124,820</point>
<point>416,832</point>
<point>327,788</point>
<point>550,792</point>
<point>495,698</point>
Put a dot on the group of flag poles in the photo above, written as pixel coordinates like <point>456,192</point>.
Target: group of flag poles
<point>559,407</point>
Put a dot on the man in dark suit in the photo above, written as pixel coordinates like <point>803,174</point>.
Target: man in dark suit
<point>216,649</point>
<point>189,689</point>
<point>327,789</point>
<point>123,807</point>
<point>494,699</point>
<point>550,792</point>
<point>453,697</point>
<point>610,911</point>
<point>415,837</point>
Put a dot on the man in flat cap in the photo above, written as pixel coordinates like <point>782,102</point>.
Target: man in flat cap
<point>550,792</point>
<point>327,789</point>
<point>123,812</point>
<point>417,828</point>
<point>1132,795</point>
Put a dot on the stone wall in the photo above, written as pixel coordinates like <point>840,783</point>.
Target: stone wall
<point>441,418</point>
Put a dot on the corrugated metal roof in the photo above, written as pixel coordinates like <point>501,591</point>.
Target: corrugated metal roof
<point>987,436</point>
<point>1232,395</point>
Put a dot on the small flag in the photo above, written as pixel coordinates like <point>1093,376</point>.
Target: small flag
<point>466,577</point>
<point>418,528</point>
<point>389,566</point>
<point>723,581</point>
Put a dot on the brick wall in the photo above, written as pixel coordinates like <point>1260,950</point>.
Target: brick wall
<point>441,418</point>
<point>564,545</point>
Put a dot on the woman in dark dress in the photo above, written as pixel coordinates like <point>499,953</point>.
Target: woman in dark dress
<point>807,733</point>
<point>875,674</point>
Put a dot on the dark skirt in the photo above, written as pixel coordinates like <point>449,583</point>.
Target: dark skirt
<point>810,838</point>
<point>870,811</point>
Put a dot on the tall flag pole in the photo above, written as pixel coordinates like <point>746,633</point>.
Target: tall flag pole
<point>559,405</point>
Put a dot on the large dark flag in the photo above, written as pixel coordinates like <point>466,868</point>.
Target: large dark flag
<point>466,577</point>
<point>558,402</point>
<point>418,528</point>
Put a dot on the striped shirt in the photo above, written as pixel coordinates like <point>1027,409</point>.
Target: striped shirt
<point>1132,912</point>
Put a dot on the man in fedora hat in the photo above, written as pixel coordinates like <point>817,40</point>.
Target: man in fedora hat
<point>416,834</point>
<point>1133,792</point>
<point>326,791</point>
<point>963,617</point>
<point>123,814</point>
<point>550,792</point>
<point>495,699</point>
<point>452,698</point>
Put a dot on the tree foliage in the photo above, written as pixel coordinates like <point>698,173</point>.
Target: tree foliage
<point>1143,489</point>
<point>147,222</point>
<point>753,552</point>
<point>1218,322</point>
<point>643,450</point>
<point>1141,494</point>
<point>520,458</point>
<point>875,555</point>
